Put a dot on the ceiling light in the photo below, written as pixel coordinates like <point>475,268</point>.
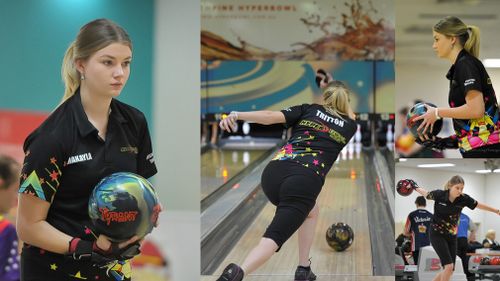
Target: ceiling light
<point>491,63</point>
<point>483,171</point>
<point>496,171</point>
<point>436,165</point>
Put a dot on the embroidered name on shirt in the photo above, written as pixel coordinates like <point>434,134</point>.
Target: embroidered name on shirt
<point>131,149</point>
<point>422,219</point>
<point>469,82</point>
<point>79,158</point>
<point>329,119</point>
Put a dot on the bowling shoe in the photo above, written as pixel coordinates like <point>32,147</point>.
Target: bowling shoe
<point>232,272</point>
<point>304,274</point>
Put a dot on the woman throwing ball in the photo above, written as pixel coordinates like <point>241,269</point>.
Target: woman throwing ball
<point>293,179</point>
<point>448,205</point>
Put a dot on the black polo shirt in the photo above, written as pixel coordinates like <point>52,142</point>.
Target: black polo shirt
<point>447,214</point>
<point>65,159</point>
<point>468,73</point>
<point>317,137</point>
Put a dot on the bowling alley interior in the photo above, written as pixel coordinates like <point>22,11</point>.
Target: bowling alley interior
<point>481,178</point>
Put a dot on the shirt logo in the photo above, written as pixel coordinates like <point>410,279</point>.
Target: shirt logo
<point>130,149</point>
<point>441,203</point>
<point>79,158</point>
<point>329,119</point>
<point>469,82</point>
<point>150,158</point>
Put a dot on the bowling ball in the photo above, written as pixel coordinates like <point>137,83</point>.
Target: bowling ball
<point>485,261</point>
<point>477,259</point>
<point>339,236</point>
<point>495,261</point>
<point>405,142</point>
<point>416,111</point>
<point>123,205</point>
<point>404,188</point>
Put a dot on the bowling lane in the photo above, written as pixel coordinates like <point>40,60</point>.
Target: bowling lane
<point>341,200</point>
<point>219,166</point>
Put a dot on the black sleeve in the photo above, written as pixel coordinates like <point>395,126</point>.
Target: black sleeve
<point>293,114</point>
<point>436,195</point>
<point>469,202</point>
<point>146,166</point>
<point>43,167</point>
<point>468,76</point>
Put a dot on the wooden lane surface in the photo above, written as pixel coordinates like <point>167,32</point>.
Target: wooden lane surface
<point>342,200</point>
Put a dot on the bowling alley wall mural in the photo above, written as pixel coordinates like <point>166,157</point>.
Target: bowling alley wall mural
<point>263,54</point>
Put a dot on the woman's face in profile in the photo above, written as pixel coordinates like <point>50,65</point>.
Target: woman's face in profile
<point>442,44</point>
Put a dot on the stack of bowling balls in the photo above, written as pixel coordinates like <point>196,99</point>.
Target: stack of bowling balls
<point>416,111</point>
<point>339,236</point>
<point>404,187</point>
<point>123,205</point>
<point>490,261</point>
<point>485,261</point>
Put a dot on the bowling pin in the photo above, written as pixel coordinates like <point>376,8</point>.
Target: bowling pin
<point>350,149</point>
<point>357,148</point>
<point>246,158</point>
<point>357,135</point>
<point>246,128</point>
<point>343,153</point>
<point>389,136</point>
<point>235,157</point>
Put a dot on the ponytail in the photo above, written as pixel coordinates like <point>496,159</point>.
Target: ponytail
<point>336,99</point>
<point>92,37</point>
<point>69,74</point>
<point>472,44</point>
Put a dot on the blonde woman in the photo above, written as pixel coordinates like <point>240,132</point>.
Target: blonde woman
<point>293,179</point>
<point>448,205</point>
<point>489,240</point>
<point>472,102</point>
<point>89,136</point>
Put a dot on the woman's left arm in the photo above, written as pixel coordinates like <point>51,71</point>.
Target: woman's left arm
<point>472,109</point>
<point>488,208</point>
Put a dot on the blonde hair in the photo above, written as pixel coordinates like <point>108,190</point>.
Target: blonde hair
<point>336,98</point>
<point>453,181</point>
<point>92,37</point>
<point>468,35</point>
<point>489,233</point>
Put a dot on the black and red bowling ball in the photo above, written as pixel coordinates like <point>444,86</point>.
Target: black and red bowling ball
<point>404,187</point>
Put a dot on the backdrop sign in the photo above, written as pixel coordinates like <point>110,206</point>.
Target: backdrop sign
<point>297,30</point>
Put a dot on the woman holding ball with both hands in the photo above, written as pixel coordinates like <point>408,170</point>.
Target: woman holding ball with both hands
<point>472,100</point>
<point>448,205</point>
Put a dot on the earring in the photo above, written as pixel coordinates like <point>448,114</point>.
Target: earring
<point>82,76</point>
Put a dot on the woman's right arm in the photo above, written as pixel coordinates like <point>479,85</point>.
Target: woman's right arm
<point>264,117</point>
<point>33,229</point>
<point>422,191</point>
